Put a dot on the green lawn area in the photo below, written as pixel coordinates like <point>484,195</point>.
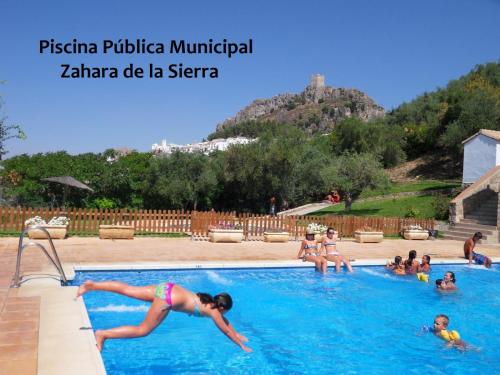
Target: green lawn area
<point>412,186</point>
<point>387,207</point>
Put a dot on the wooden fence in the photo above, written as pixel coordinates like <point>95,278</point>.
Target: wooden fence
<point>87,221</point>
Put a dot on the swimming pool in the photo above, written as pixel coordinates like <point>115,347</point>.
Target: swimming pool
<point>301,322</point>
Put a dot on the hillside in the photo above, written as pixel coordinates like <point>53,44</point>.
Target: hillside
<point>428,130</point>
<point>427,167</point>
<point>316,110</point>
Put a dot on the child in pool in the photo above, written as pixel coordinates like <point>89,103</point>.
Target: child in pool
<point>426,264</point>
<point>397,266</point>
<point>447,282</point>
<point>424,269</point>
<point>440,329</point>
<point>166,297</point>
<point>411,264</point>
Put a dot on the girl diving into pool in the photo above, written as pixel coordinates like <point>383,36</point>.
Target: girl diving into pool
<point>166,297</point>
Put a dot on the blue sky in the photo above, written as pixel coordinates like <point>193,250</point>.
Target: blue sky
<point>393,50</point>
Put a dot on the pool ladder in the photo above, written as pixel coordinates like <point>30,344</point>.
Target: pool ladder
<point>54,259</point>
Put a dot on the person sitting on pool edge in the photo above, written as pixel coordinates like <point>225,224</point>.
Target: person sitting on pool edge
<point>309,247</point>
<point>329,244</point>
<point>471,255</point>
<point>165,297</point>
<point>440,329</point>
<point>447,282</point>
<point>397,266</point>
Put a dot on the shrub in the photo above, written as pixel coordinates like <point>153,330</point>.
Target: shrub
<point>441,205</point>
<point>104,203</point>
<point>412,212</point>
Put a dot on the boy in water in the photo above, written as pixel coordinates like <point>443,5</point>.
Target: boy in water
<point>440,329</point>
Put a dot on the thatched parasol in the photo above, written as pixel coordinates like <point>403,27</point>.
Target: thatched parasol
<point>67,181</point>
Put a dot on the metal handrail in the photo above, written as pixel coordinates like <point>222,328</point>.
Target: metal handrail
<point>54,259</point>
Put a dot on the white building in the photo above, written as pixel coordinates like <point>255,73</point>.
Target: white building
<point>204,147</point>
<point>481,153</point>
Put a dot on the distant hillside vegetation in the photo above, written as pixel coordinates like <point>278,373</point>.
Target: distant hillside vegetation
<point>438,122</point>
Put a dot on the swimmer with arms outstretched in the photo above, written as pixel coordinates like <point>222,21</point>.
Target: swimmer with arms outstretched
<point>166,297</point>
<point>440,329</point>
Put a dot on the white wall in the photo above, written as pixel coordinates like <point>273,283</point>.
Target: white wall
<point>480,155</point>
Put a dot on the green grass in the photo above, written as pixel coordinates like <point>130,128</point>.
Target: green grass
<point>411,186</point>
<point>390,207</point>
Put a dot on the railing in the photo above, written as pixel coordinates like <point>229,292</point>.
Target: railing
<point>87,221</point>
<point>54,259</point>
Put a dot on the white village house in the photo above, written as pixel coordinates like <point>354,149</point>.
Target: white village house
<point>481,153</point>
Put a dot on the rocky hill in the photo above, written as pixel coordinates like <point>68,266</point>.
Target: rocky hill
<point>317,109</point>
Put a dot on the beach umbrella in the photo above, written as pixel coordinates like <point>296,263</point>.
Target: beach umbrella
<point>67,181</point>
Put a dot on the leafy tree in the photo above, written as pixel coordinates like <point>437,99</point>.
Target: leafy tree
<point>376,137</point>
<point>480,109</point>
<point>351,173</point>
<point>180,180</point>
<point>439,121</point>
<point>8,132</point>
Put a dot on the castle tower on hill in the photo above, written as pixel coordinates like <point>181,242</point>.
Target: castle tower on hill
<point>317,81</point>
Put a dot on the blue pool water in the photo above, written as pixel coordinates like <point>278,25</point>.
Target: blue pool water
<point>301,322</point>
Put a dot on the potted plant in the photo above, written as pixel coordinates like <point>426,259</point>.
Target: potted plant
<point>57,227</point>
<point>415,232</point>
<point>368,234</point>
<point>276,235</point>
<point>318,229</point>
<point>225,232</point>
<point>116,232</point>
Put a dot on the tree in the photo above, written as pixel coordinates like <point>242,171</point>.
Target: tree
<point>180,180</point>
<point>8,132</point>
<point>375,137</point>
<point>351,173</point>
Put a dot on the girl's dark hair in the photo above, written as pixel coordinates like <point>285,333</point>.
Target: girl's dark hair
<point>223,300</point>
<point>330,229</point>
<point>428,258</point>
<point>397,260</point>
<point>452,276</point>
<point>411,256</point>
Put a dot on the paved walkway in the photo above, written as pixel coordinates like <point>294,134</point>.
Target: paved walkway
<point>20,345</point>
<point>306,209</point>
<point>19,318</point>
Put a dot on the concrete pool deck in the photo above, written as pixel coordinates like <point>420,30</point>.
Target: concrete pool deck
<point>40,322</point>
